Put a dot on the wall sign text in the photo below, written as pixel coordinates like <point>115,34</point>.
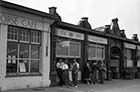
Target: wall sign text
<point>97,39</point>
<point>70,34</point>
<point>20,21</point>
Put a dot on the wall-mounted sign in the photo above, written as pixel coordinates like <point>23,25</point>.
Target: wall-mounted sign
<point>130,46</point>
<point>70,34</point>
<point>97,39</point>
<point>20,21</point>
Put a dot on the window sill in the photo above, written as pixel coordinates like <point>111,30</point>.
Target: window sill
<point>23,75</point>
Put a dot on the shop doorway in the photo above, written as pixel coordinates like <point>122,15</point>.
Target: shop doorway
<point>115,62</point>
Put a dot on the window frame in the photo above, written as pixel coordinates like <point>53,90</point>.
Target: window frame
<point>96,52</point>
<point>68,48</point>
<point>29,44</point>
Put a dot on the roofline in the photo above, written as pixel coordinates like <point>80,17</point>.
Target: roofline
<point>17,7</point>
<point>68,25</point>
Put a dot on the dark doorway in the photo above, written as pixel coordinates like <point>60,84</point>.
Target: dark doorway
<point>115,62</point>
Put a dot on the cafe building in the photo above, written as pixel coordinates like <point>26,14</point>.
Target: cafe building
<point>32,42</point>
<point>25,47</point>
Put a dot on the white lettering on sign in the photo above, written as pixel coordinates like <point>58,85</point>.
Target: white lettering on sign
<point>20,21</point>
<point>8,19</point>
<point>130,46</point>
<point>70,34</point>
<point>29,23</point>
<point>97,39</point>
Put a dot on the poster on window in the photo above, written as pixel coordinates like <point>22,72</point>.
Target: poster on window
<point>14,59</point>
<point>9,59</point>
<point>22,67</point>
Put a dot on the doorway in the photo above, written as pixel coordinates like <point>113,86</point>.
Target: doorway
<point>115,59</point>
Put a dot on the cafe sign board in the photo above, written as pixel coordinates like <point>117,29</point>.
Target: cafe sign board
<point>69,34</point>
<point>20,21</point>
<point>97,39</point>
<point>130,46</point>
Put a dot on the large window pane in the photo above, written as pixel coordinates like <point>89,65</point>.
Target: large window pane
<point>24,51</point>
<point>99,52</point>
<point>12,57</point>
<point>61,50</point>
<point>129,58</point>
<point>12,49</point>
<point>35,51</point>
<point>34,66</point>
<point>74,49</point>
<point>91,51</point>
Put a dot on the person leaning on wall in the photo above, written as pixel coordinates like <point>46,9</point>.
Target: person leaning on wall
<point>59,71</point>
<point>65,72</point>
<point>88,70</point>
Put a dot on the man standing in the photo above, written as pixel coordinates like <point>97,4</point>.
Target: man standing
<point>65,72</point>
<point>59,71</point>
<point>75,69</point>
<point>102,70</point>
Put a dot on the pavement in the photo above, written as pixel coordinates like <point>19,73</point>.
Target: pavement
<point>118,85</point>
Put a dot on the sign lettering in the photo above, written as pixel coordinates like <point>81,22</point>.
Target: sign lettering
<point>130,46</point>
<point>8,19</point>
<point>97,39</point>
<point>20,21</point>
<point>70,34</point>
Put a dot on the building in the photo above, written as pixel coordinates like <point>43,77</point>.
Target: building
<point>108,44</point>
<point>32,41</point>
<point>25,47</point>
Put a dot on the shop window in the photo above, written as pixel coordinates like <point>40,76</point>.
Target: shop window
<point>138,58</point>
<point>65,48</point>
<point>91,52</point>
<point>23,51</point>
<point>12,53</point>
<point>129,57</point>
<point>74,49</point>
<point>96,52</point>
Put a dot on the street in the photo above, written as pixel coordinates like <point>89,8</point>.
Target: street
<point>118,85</point>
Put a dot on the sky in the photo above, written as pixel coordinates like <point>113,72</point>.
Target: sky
<point>99,12</point>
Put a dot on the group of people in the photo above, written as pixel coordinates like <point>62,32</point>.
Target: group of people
<point>63,69</point>
<point>95,71</point>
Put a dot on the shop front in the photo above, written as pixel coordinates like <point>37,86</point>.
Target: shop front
<point>138,62</point>
<point>24,36</point>
<point>68,45</point>
<point>96,49</point>
<point>129,60</point>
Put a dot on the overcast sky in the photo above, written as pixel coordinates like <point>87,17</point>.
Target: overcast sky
<point>99,12</point>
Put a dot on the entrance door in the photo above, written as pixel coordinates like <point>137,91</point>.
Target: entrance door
<point>115,62</point>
